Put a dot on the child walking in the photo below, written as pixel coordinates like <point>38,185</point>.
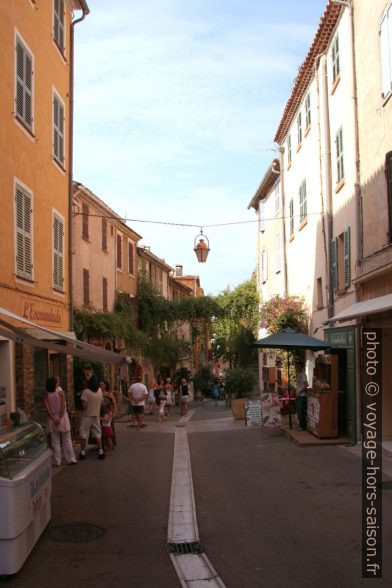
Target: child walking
<point>106,426</point>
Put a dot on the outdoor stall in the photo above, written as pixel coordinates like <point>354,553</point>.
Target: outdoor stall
<point>323,398</point>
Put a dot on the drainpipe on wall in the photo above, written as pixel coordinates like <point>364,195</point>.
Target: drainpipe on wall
<point>86,11</point>
<point>328,177</point>
<point>283,206</point>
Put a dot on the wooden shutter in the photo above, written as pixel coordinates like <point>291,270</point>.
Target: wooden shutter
<point>23,233</point>
<point>119,251</point>
<point>58,130</point>
<point>86,287</point>
<point>58,253</point>
<point>58,24</point>
<point>130,259</point>
<point>85,221</point>
<point>104,294</point>
<point>346,257</point>
<point>24,84</point>
<point>333,263</point>
<point>104,234</point>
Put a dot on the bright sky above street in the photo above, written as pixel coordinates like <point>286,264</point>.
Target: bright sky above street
<point>176,107</point>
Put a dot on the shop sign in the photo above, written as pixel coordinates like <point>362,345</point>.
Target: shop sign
<point>40,312</point>
<point>270,408</point>
<point>253,413</point>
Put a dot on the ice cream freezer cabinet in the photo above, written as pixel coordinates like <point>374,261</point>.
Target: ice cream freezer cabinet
<point>25,493</point>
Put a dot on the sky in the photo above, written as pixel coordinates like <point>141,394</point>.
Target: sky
<point>176,107</point>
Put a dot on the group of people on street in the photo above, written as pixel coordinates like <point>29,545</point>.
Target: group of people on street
<point>159,395</point>
<point>99,407</point>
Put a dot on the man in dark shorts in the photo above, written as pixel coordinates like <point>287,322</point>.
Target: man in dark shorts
<point>137,394</point>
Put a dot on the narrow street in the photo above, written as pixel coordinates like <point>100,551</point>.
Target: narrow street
<point>252,490</point>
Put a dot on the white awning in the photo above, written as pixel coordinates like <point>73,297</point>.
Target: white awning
<point>372,306</point>
<point>66,342</point>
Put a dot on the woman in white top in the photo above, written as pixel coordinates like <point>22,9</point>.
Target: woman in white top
<point>58,422</point>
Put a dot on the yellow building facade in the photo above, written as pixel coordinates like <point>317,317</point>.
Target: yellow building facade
<point>35,170</point>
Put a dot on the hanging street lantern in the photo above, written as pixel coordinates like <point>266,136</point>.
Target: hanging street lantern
<point>202,249</point>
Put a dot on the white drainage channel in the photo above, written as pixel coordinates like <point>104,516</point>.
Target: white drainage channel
<point>193,569</point>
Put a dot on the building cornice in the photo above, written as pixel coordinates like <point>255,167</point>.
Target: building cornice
<point>270,177</point>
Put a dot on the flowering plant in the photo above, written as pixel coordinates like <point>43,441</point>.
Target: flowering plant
<point>279,313</point>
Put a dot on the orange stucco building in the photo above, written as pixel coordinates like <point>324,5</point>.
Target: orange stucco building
<point>36,50</point>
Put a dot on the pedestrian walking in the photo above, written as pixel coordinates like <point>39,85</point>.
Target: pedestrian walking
<point>301,394</point>
<point>151,396</point>
<point>169,396</point>
<point>138,394</point>
<point>58,425</point>
<point>91,399</point>
<point>184,397</point>
<point>215,392</point>
<point>162,403</point>
<point>158,390</point>
<point>107,428</point>
<point>109,396</point>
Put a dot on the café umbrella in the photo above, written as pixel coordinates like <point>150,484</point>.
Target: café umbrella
<point>291,339</point>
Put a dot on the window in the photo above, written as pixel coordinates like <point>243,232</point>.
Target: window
<point>386,52</point>
<point>303,213</point>
<point>104,234</point>
<point>58,130</point>
<point>262,216</point>
<point>58,23</point>
<point>319,293</point>
<point>58,252</point>
<point>104,294</point>
<point>85,221</point>
<point>340,261</point>
<point>277,198</point>
<point>308,118</point>
<point>291,213</point>
<point>339,156</point>
<point>289,149</point>
<point>131,261</point>
<point>299,128</point>
<point>335,59</point>
<point>119,251</point>
<point>24,85</point>
<point>277,254</point>
<point>388,170</point>
<point>23,233</point>
<point>264,265</point>
<point>86,287</point>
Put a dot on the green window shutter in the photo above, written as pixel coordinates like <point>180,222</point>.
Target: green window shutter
<point>346,257</point>
<point>333,263</point>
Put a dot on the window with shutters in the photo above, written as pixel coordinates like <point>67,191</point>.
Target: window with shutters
<point>104,234</point>
<point>264,265</point>
<point>131,258</point>
<point>335,59</point>
<point>277,197</point>
<point>24,84</point>
<point>319,284</point>
<point>299,128</point>
<point>339,156</point>
<point>23,233</point>
<point>86,287</point>
<point>85,221</point>
<point>58,24</point>
<point>303,207</point>
<point>308,117</point>
<point>386,52</point>
<point>340,261</point>
<point>58,130</point>
<point>388,172</point>
<point>105,294</point>
<point>289,150</point>
<point>277,254</point>
<point>58,252</point>
<point>291,214</point>
<point>119,252</point>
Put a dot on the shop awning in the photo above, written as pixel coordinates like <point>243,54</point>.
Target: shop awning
<point>372,306</point>
<point>39,336</point>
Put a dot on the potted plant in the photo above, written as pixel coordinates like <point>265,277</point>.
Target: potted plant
<point>239,386</point>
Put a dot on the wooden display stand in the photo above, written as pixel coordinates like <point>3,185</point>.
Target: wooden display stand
<point>322,418</point>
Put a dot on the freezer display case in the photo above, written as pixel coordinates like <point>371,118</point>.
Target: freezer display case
<point>25,491</point>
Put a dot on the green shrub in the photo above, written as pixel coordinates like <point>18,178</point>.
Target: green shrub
<point>239,382</point>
